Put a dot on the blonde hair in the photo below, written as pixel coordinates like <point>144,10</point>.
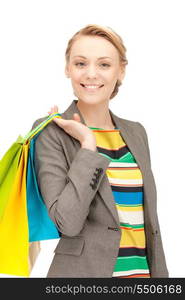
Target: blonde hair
<point>108,34</point>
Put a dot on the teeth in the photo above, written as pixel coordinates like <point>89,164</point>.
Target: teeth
<point>92,86</point>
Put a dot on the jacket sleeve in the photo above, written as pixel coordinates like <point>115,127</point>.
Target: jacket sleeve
<point>66,190</point>
<point>159,269</point>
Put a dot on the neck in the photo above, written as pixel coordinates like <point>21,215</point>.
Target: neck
<point>96,115</point>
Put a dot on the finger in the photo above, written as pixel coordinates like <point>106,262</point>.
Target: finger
<point>55,108</point>
<point>60,121</point>
<point>76,117</point>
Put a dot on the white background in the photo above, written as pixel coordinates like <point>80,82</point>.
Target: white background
<point>33,40</point>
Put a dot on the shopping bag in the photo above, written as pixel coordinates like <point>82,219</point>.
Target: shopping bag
<point>20,229</point>
<point>8,168</point>
<point>14,244</point>
<point>41,227</point>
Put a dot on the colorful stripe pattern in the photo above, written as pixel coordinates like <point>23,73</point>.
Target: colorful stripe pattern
<point>126,183</point>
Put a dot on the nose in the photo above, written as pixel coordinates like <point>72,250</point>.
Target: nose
<point>91,71</point>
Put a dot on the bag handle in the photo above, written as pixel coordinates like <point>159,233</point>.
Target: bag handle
<point>38,128</point>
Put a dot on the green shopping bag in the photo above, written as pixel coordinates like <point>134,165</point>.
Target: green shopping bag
<point>8,168</point>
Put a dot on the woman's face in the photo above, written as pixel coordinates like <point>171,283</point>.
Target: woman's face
<point>94,68</point>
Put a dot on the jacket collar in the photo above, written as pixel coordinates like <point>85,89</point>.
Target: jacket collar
<point>134,142</point>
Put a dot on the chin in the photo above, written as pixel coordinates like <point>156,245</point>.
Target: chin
<point>90,100</point>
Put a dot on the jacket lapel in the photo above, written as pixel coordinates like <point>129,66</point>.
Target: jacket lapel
<point>134,144</point>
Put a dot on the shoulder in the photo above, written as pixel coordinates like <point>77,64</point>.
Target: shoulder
<point>38,121</point>
<point>51,133</point>
<point>140,127</point>
<point>136,126</point>
<point>50,130</point>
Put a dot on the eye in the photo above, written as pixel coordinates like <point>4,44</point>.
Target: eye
<point>105,65</point>
<point>79,63</point>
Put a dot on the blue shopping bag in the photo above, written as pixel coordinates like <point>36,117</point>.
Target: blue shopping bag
<point>41,227</point>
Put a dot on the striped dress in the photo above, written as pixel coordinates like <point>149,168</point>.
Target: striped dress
<point>126,182</point>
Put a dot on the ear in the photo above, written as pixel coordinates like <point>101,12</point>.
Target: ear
<point>122,74</point>
<point>67,71</point>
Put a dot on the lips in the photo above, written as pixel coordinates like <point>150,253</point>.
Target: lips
<point>91,86</point>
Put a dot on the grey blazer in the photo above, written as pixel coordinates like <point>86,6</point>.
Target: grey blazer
<point>79,199</point>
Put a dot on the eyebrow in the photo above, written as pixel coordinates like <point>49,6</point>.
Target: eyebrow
<point>98,58</point>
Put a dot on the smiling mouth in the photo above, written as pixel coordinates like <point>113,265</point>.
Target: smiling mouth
<point>91,87</point>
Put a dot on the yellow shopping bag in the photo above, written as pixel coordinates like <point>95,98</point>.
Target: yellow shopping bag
<point>17,254</point>
<point>14,226</point>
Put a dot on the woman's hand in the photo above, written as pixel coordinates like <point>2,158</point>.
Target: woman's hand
<point>76,129</point>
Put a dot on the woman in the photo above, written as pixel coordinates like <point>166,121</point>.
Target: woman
<point>94,171</point>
